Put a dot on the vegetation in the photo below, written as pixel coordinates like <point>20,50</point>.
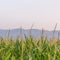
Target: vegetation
<point>29,49</point>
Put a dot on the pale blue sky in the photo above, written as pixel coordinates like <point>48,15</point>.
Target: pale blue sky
<point>42,13</point>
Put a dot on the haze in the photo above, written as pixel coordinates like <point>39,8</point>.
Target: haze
<point>41,13</point>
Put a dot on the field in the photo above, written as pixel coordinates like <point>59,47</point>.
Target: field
<point>29,49</point>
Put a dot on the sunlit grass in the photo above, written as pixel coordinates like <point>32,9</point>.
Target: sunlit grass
<point>29,49</point>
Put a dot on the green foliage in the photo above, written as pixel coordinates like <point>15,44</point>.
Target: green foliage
<point>29,49</point>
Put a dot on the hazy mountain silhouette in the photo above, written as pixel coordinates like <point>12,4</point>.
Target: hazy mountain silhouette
<point>36,33</point>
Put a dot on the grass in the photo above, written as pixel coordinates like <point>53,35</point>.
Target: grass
<point>29,49</point>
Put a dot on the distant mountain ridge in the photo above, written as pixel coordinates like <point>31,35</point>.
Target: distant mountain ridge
<point>36,33</point>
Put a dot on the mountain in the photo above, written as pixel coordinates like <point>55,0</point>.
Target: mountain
<point>36,33</point>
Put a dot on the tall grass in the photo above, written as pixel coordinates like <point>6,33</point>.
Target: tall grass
<point>29,49</point>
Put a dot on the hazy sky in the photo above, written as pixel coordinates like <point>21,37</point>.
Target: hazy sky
<point>41,13</point>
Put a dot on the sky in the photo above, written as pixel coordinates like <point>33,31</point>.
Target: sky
<point>25,13</point>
